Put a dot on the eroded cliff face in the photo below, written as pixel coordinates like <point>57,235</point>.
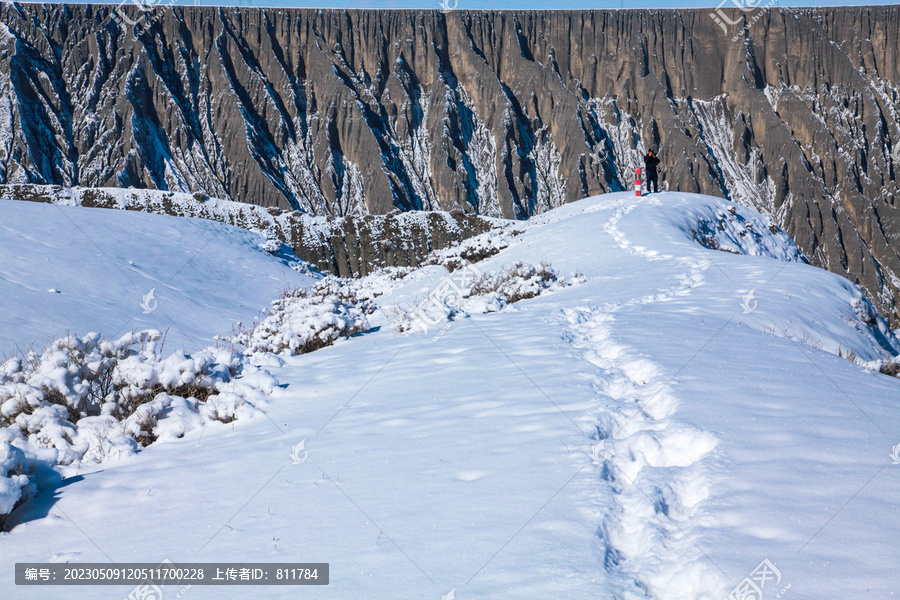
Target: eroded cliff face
<point>336,112</point>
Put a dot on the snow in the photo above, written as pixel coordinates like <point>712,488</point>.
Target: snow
<point>716,130</point>
<point>481,150</point>
<point>15,484</point>
<point>658,430</point>
<point>86,400</point>
<point>307,319</point>
<point>73,269</point>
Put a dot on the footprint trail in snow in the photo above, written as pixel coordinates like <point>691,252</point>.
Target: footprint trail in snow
<point>651,463</point>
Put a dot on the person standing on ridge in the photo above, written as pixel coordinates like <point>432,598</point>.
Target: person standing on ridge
<point>650,162</point>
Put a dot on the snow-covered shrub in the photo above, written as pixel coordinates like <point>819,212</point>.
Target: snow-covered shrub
<point>91,376</point>
<point>92,398</point>
<point>864,311</point>
<point>890,367</point>
<point>407,318</point>
<point>472,250</point>
<point>301,266</point>
<point>375,284</point>
<point>738,230</point>
<point>519,281</point>
<point>477,293</point>
<point>272,244</point>
<point>16,479</point>
<point>305,319</point>
<point>404,318</point>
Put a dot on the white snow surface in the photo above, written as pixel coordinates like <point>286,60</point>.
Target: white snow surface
<point>658,430</point>
<point>73,269</point>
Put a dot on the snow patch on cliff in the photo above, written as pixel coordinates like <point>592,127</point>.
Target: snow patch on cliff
<point>740,175</point>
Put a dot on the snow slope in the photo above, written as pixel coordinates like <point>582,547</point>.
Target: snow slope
<point>81,269</point>
<point>655,431</point>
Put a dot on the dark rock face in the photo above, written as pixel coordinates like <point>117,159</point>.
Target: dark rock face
<point>336,112</point>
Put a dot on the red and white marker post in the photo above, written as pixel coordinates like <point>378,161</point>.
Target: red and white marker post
<point>637,181</point>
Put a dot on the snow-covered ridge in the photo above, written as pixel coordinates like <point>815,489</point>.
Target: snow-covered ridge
<point>719,225</point>
<point>732,228</point>
<point>654,432</point>
<point>239,214</point>
<point>74,269</point>
<point>346,246</point>
<point>661,471</point>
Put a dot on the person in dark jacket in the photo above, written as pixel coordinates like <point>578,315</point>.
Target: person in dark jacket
<point>650,162</point>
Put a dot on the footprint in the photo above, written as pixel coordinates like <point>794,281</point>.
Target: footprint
<point>652,466</point>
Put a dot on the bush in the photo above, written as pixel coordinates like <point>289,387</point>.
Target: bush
<point>91,398</point>
<point>890,368</point>
<point>272,245</point>
<point>473,250</point>
<point>519,281</point>
<point>483,293</point>
<point>306,319</point>
<point>16,480</point>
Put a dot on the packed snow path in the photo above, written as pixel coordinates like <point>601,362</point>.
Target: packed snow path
<point>634,431</point>
<point>654,432</point>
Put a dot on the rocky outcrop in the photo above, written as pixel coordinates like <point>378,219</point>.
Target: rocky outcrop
<point>795,112</point>
<point>349,246</point>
